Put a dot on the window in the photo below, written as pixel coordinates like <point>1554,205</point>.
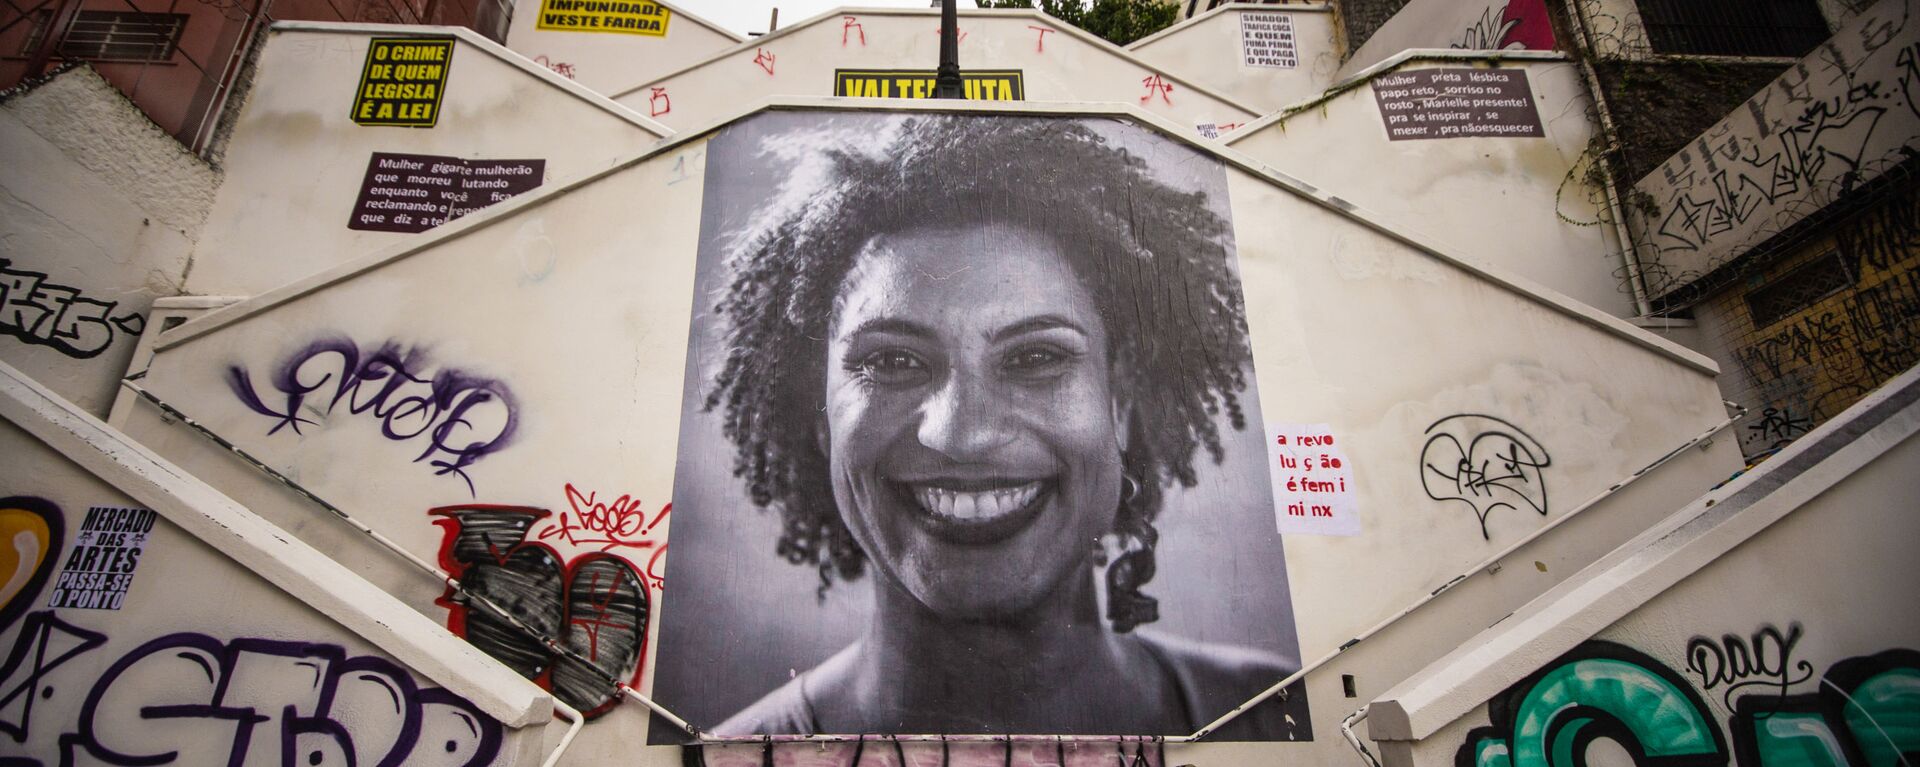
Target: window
<point>1733,27</point>
<point>1798,289</point>
<point>117,36</point>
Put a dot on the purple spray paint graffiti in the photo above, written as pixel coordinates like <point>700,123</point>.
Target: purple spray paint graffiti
<point>463,416</point>
<point>188,698</point>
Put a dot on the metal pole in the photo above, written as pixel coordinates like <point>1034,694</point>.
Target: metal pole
<point>946,80</point>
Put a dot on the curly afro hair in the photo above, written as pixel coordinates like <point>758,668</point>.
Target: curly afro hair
<point>1157,260</point>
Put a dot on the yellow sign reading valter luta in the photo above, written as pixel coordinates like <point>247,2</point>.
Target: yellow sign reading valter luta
<point>633,18</point>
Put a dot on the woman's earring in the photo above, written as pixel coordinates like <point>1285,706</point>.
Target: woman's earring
<point>1126,606</point>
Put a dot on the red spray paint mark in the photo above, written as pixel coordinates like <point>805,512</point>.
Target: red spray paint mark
<point>764,58</point>
<point>658,103</point>
<point>851,24</point>
<point>1156,86</point>
<point>1040,44</point>
<point>559,67</point>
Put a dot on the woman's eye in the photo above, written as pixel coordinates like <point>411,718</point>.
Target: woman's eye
<point>894,366</point>
<point>1034,359</point>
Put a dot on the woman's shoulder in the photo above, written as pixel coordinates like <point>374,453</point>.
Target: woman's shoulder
<point>785,711</point>
<point>790,709</point>
<point>1214,678</point>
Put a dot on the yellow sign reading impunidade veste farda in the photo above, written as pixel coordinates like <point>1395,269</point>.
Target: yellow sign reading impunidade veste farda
<point>639,18</point>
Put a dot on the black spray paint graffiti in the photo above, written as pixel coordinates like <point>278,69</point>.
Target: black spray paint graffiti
<point>45,314</point>
<point>1866,711</point>
<point>595,606</point>
<point>1778,426</point>
<point>1844,340</point>
<point>1882,237</point>
<point>1485,463</point>
<point>462,416</point>
<point>1811,137</point>
<point>190,699</point>
<point>1873,335</point>
<point>1737,663</point>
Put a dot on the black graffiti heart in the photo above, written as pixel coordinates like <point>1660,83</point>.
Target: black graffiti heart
<point>595,607</point>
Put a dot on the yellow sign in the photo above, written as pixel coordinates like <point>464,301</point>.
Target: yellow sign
<point>403,82</point>
<point>978,84</point>
<point>604,16</point>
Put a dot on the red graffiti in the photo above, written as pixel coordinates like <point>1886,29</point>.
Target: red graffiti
<point>1040,45</point>
<point>606,525</point>
<point>618,522</point>
<point>963,34</point>
<point>658,103</point>
<point>602,614</point>
<point>1156,86</point>
<point>851,24</point>
<point>559,67</point>
<point>1527,26</point>
<point>764,58</point>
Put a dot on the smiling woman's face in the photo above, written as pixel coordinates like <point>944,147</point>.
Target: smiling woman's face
<point>971,423</point>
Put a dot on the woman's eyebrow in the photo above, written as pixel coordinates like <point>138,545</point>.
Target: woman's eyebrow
<point>1033,324</point>
<point>892,325</point>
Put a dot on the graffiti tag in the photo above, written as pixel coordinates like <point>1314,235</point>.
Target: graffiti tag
<point>459,415</point>
<point>1485,463</point>
<point>188,698</point>
<point>44,313</point>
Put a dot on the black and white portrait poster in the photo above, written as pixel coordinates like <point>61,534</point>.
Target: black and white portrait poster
<point>971,440</point>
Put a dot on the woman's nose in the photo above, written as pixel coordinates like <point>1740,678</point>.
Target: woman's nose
<point>965,419</point>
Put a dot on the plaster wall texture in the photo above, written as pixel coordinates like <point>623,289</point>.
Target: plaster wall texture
<point>1058,61</point>
<point>1518,203</point>
<point>1801,596</point>
<point>203,661</point>
<point>297,160</point>
<point>99,212</point>
<point>1843,116</point>
<point>597,346</point>
<point>604,60</point>
<point>1208,48</point>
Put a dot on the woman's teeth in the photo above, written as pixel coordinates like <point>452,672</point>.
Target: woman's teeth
<point>976,506</point>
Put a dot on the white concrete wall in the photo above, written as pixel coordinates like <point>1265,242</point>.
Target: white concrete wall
<point>1059,61</point>
<point>1518,203</point>
<point>1760,647</point>
<point>1841,117</point>
<point>252,674</point>
<point>1475,25</point>
<point>99,211</point>
<point>603,60</point>
<point>1208,48</point>
<point>296,160</point>
<point>1350,326</point>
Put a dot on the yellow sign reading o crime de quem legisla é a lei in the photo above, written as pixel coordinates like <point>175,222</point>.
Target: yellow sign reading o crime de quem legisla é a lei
<point>632,18</point>
<point>403,82</point>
